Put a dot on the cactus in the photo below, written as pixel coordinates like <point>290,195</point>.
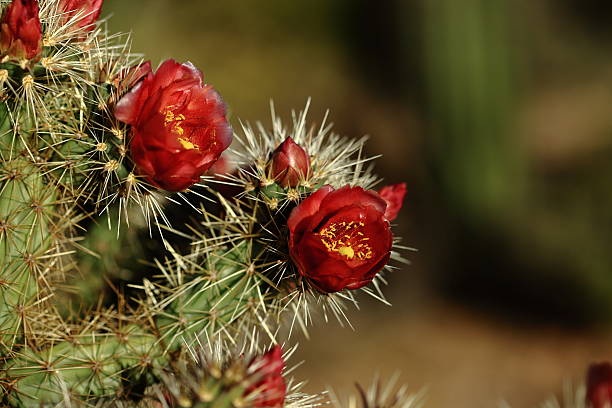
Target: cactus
<point>76,170</point>
<point>97,148</point>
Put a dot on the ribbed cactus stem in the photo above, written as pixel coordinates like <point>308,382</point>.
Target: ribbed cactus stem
<point>100,365</point>
<point>93,366</point>
<point>26,207</point>
<point>213,302</point>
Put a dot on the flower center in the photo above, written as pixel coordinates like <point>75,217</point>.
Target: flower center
<point>174,122</point>
<point>347,239</point>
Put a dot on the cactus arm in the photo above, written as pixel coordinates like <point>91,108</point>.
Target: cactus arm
<point>27,206</point>
<point>94,366</point>
<point>97,366</point>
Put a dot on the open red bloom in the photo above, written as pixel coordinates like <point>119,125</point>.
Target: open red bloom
<point>269,385</point>
<point>340,238</point>
<point>599,385</point>
<point>179,128</point>
<point>88,11</point>
<point>394,196</point>
<point>21,35</point>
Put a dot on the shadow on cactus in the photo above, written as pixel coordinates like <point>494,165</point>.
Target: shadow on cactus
<point>88,130</point>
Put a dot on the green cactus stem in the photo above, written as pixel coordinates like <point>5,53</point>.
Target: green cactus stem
<point>94,366</point>
<point>27,214</point>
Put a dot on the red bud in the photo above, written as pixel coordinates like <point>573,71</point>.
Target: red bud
<point>290,164</point>
<point>599,385</point>
<point>21,34</point>
<point>269,386</point>
<point>88,10</point>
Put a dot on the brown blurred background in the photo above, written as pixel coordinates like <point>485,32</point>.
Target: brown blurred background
<point>498,115</point>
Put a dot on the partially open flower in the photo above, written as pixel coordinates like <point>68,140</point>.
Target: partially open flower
<point>87,11</point>
<point>21,35</point>
<point>394,196</point>
<point>599,385</point>
<point>340,239</point>
<point>269,388</point>
<point>290,164</point>
<point>179,127</point>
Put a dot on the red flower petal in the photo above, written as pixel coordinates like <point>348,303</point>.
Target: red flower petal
<point>269,386</point>
<point>599,385</point>
<point>394,196</point>
<point>307,208</point>
<point>88,11</point>
<point>127,108</point>
<point>350,195</point>
<point>21,30</point>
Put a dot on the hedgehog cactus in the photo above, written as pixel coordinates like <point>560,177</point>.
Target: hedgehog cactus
<point>92,139</point>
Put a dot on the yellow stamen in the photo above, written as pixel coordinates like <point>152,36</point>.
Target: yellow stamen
<point>174,123</point>
<point>347,251</point>
<point>347,240</point>
<point>187,144</point>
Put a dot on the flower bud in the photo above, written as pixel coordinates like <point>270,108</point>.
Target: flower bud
<point>21,34</point>
<point>599,385</point>
<point>88,11</point>
<point>269,386</point>
<point>394,196</point>
<point>290,164</point>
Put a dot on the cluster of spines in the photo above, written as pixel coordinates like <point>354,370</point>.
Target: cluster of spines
<point>220,374</point>
<point>87,368</point>
<point>336,160</point>
<point>381,394</point>
<point>37,217</point>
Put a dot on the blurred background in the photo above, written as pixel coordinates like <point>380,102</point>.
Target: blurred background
<point>498,115</point>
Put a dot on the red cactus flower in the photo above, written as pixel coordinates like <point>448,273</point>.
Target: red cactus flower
<point>21,35</point>
<point>179,128</point>
<point>269,386</point>
<point>394,196</point>
<point>340,238</point>
<point>290,163</point>
<point>88,11</point>
<point>599,385</point>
